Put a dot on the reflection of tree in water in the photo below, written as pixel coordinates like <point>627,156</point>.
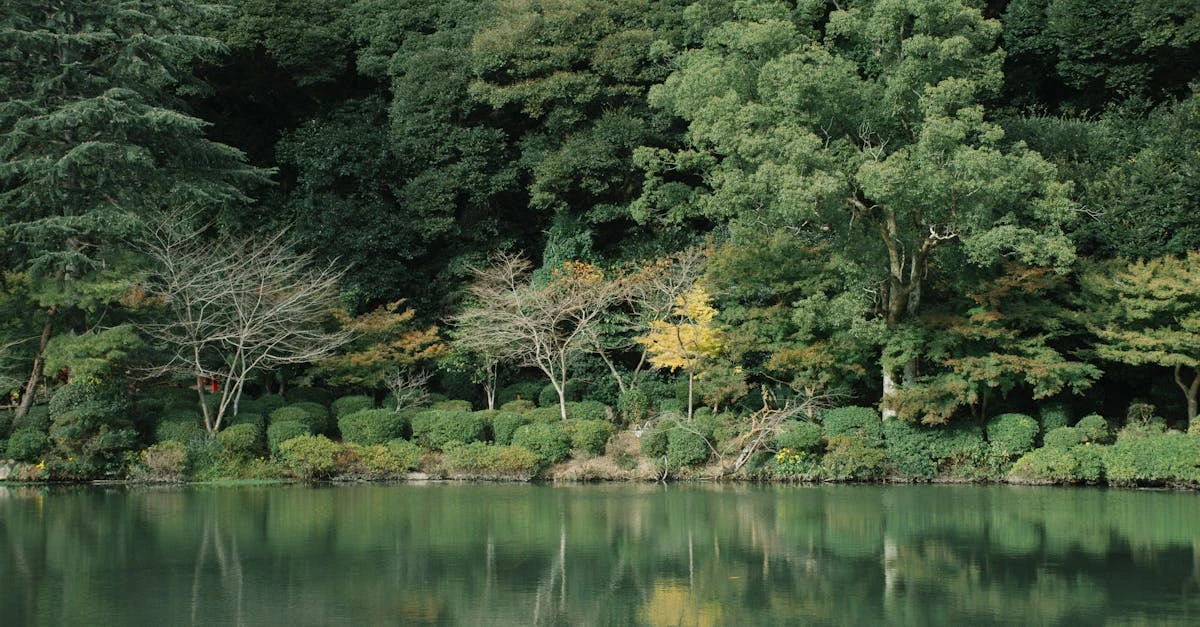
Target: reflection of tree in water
<point>469,554</point>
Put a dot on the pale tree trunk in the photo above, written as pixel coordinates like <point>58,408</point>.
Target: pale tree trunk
<point>691,388</point>
<point>35,375</point>
<point>1191,392</point>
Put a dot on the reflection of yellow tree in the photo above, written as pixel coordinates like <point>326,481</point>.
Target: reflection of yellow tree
<point>671,603</point>
<point>688,339</point>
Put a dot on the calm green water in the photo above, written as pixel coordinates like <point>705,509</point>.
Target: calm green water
<point>454,554</point>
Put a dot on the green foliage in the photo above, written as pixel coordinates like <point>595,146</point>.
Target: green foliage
<point>182,431</point>
<point>1061,464</point>
<point>241,442</point>
<point>1164,458</point>
<point>685,447</point>
<point>479,459</point>
<point>505,424</point>
<point>301,395</point>
<point>546,440</point>
<point>6,424</point>
<point>27,444</point>
<point>518,406</point>
<point>309,457</point>
<point>263,405</point>
<point>799,435</point>
<point>94,355</point>
<point>350,404</point>
<point>1094,429</point>
<point>38,417</point>
<point>849,458</point>
<point>377,461</point>
<point>861,422</point>
<point>522,391</point>
<point>925,451</point>
<point>315,415</point>
<point>588,436</point>
<point>372,426</point>
<point>283,430</point>
<point>246,418</point>
<point>1052,416</point>
<point>165,461</point>
<point>587,410</point>
<point>409,453</point>
<point>548,396</point>
<point>549,415</point>
<point>1063,438</point>
<point>791,463</point>
<point>435,429</point>
<point>454,405</point>
<point>634,406</point>
<point>1011,435</point>
<point>654,441</point>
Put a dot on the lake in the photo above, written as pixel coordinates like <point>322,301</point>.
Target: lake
<point>622,554</point>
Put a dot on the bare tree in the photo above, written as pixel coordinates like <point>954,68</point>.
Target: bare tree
<point>543,326</point>
<point>408,389</point>
<point>647,294</point>
<point>233,308</point>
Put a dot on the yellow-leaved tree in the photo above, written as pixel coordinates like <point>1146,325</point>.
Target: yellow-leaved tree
<point>687,339</point>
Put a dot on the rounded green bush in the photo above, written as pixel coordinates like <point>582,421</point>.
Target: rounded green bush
<point>1161,458</point>
<point>27,445</point>
<point>240,442</point>
<point>1052,416</point>
<point>548,415</point>
<point>589,436</point>
<point>505,424</point>
<point>165,461</point>
<point>799,435</point>
<point>378,460</point>
<point>434,429</point>
<point>309,457</point>
<point>1063,438</point>
<point>262,405</point>
<point>587,410</point>
<point>634,406</point>
<point>409,453</point>
<point>685,448</point>
<point>372,426</point>
<point>454,405</point>
<point>861,422</point>
<point>654,442</point>
<point>320,396</point>
<point>1094,429</point>
<point>518,406</point>
<point>349,404</point>
<point>909,449</point>
<point>248,418</point>
<point>850,458</point>
<point>1011,435</point>
<point>178,431</point>
<point>546,440</point>
<point>318,415</point>
<point>1051,464</point>
<point>288,413</point>
<point>524,390</point>
<point>282,431</point>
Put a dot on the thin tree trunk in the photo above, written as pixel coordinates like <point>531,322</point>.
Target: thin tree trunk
<point>35,376</point>
<point>691,387</point>
<point>1190,391</point>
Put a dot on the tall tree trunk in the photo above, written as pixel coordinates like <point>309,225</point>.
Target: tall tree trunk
<point>35,376</point>
<point>691,387</point>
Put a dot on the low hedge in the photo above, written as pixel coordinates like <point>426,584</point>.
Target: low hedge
<point>589,436</point>
<point>434,429</point>
<point>309,457</point>
<point>372,426</point>
<point>240,442</point>
<point>282,431</point>
<point>546,440</point>
<point>346,405</point>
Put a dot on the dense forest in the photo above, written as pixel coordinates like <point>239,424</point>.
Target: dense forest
<point>837,240</point>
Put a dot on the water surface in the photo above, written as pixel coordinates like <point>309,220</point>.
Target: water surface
<point>486,554</point>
